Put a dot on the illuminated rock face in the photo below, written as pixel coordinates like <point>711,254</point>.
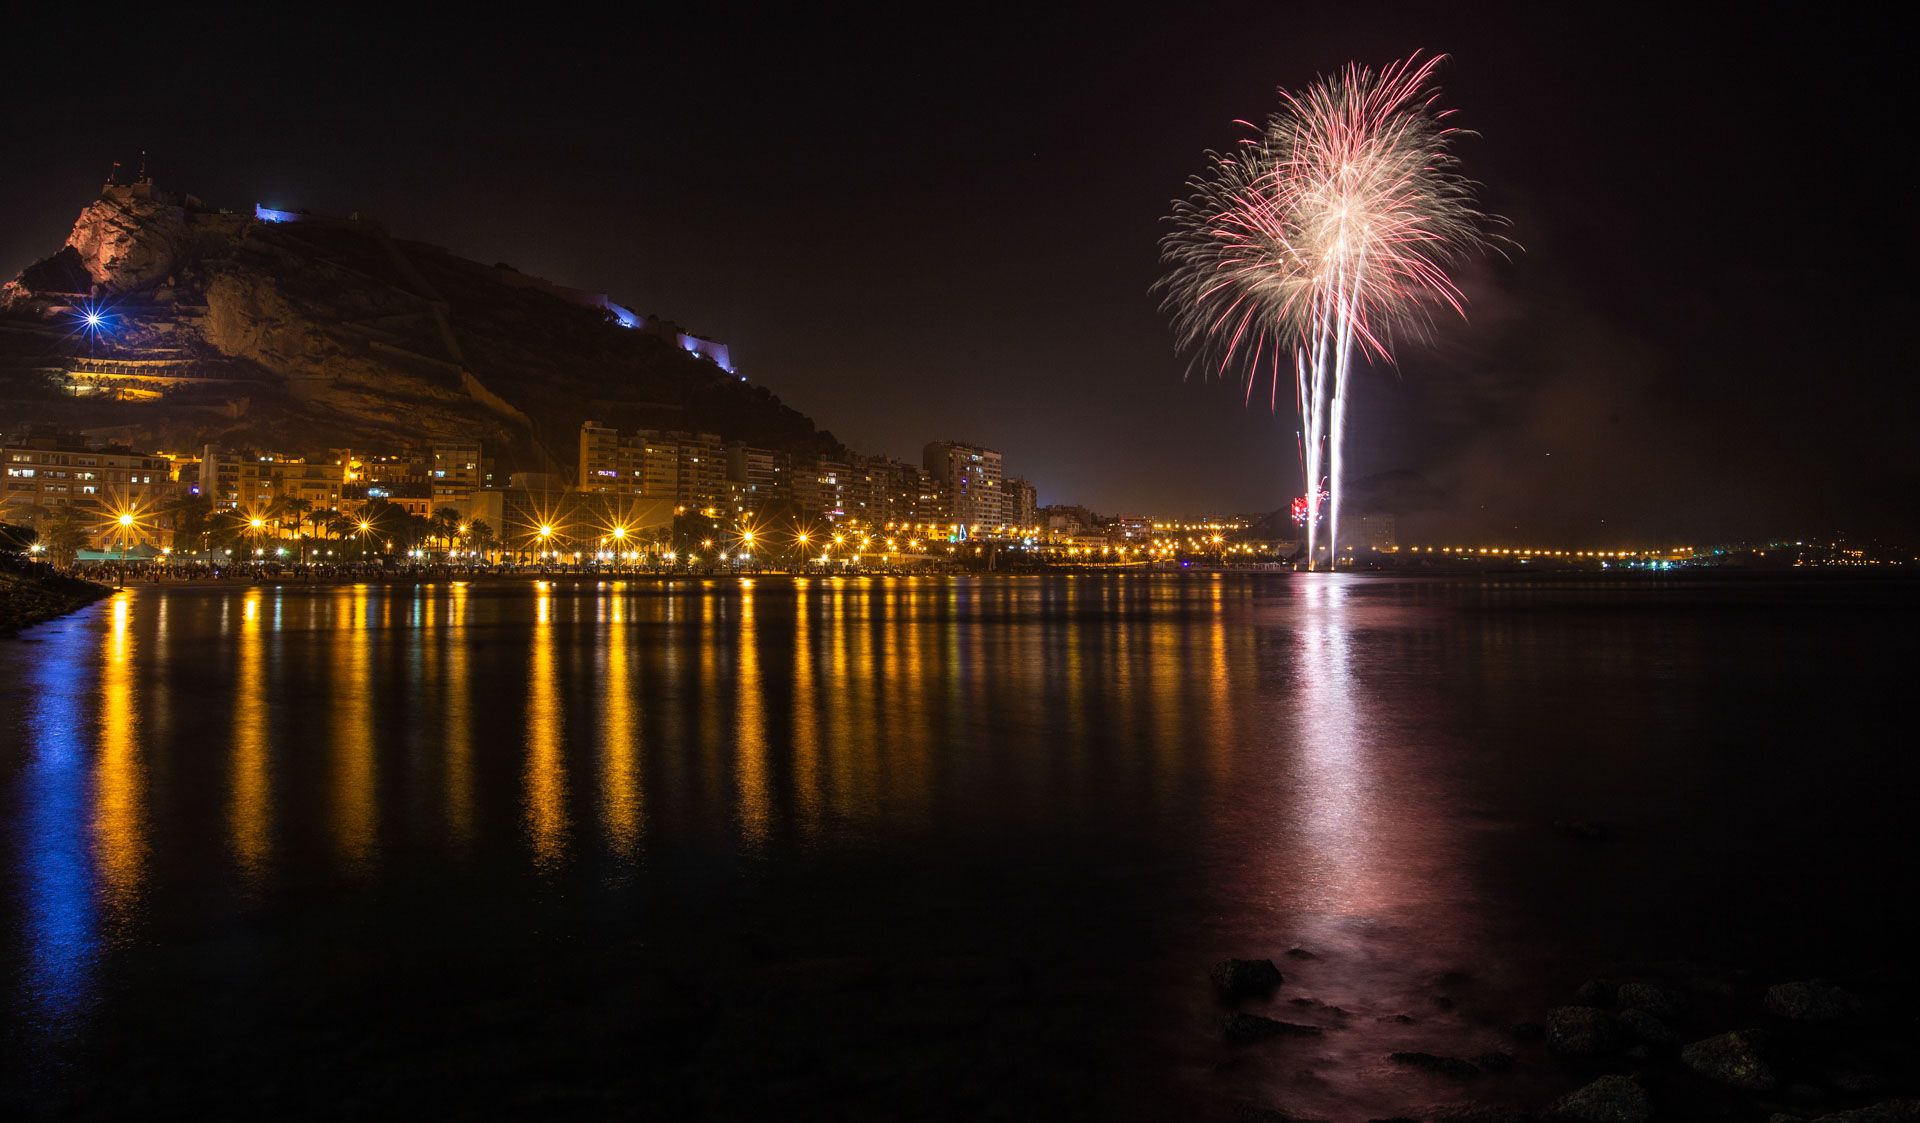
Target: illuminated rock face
<point>128,239</point>
<point>314,333</point>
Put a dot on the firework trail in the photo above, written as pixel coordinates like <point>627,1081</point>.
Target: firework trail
<point>1333,227</point>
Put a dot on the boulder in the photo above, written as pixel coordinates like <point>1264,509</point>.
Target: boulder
<point>1610,1099</point>
<point>1246,978</point>
<point>1733,1059</point>
<point>1597,992</point>
<point>1242,1028</point>
<point>1643,1026</point>
<point>1652,998</point>
<point>1811,1001</point>
<point>1581,1031</point>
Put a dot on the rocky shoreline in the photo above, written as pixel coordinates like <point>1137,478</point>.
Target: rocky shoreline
<point>1646,1042</point>
<point>34,595</point>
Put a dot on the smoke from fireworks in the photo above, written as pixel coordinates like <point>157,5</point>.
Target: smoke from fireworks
<point>1334,226</point>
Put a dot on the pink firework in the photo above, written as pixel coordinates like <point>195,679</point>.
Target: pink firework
<point>1338,223</point>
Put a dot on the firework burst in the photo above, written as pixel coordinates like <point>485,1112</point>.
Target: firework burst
<point>1333,227</point>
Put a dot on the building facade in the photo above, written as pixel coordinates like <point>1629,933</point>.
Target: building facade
<point>972,481</point>
<point>52,475</point>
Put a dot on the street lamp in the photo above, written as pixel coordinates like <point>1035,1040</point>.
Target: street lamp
<point>126,530</point>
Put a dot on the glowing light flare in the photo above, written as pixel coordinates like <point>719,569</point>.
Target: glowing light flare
<point>93,319</point>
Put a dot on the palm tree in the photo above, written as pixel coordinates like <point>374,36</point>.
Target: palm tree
<point>63,536</point>
<point>339,524</point>
<point>386,521</point>
<point>289,512</point>
<point>319,519</point>
<point>482,536</point>
<point>192,522</point>
<point>229,529</point>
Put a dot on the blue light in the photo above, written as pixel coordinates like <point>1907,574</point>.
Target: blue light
<point>62,921</point>
<point>94,319</point>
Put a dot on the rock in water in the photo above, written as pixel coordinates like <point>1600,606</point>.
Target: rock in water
<point>1649,997</point>
<point>1246,978</point>
<point>1581,1031</point>
<point>1811,1001</point>
<point>1610,1099</point>
<point>1733,1059</point>
<point>1242,1028</point>
<point>1645,1027</point>
<point>1597,992</point>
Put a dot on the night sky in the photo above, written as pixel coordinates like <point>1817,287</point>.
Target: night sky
<point>945,225</point>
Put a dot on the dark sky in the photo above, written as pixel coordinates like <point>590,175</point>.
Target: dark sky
<point>943,223</point>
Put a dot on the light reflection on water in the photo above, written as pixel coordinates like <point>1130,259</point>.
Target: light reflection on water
<point>1166,771</point>
<point>252,724</point>
<point>620,747</point>
<point>56,859</point>
<point>349,623</point>
<point>1331,803</point>
<point>119,837</point>
<point>546,726</point>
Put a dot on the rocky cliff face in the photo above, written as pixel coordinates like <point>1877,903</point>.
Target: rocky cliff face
<point>128,241</point>
<point>312,334</point>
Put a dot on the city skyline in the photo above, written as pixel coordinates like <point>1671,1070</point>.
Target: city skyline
<point>820,291</point>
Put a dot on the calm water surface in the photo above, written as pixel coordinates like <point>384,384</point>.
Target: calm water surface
<point>917,848</point>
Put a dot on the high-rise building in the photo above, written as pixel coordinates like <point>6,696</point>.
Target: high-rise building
<point>700,462</point>
<point>815,483</point>
<point>688,469</point>
<point>755,477</point>
<point>971,480</point>
<point>251,481</point>
<point>453,467</point>
<point>1021,502</point>
<point>608,464</point>
<point>883,491</point>
<point>240,480</point>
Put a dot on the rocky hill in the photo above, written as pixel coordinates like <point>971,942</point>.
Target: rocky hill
<point>299,333</point>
